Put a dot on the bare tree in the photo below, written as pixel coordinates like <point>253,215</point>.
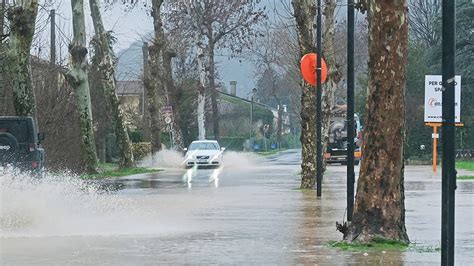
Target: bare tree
<point>105,60</point>
<point>379,206</point>
<point>304,12</point>
<point>203,82</point>
<point>217,24</point>
<point>78,78</point>
<point>22,18</point>
<point>423,16</point>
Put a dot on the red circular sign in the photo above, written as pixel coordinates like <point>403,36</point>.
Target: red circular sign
<point>308,68</point>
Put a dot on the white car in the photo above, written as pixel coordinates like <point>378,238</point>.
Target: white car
<point>203,153</point>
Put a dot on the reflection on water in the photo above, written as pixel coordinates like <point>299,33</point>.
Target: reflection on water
<point>210,176</point>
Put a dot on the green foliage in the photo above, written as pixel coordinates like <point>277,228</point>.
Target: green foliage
<point>136,136</point>
<point>120,172</point>
<point>187,95</point>
<point>466,165</point>
<point>378,244</point>
<point>425,58</point>
<point>141,150</point>
<point>465,177</point>
<point>232,143</point>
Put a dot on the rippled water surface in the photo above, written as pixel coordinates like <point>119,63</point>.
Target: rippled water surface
<point>246,212</point>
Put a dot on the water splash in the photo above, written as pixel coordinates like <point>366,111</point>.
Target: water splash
<point>63,205</point>
<point>174,159</point>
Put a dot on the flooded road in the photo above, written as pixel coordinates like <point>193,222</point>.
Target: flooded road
<point>247,212</point>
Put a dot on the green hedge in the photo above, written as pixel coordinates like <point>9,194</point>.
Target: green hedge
<point>232,143</point>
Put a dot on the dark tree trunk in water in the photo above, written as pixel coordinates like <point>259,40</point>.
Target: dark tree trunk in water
<point>78,78</point>
<point>22,19</point>
<point>106,65</point>
<point>379,207</point>
<point>305,11</point>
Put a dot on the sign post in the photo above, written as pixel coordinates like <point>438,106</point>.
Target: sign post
<point>434,107</point>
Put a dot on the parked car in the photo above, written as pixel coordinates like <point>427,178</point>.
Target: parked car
<point>203,153</point>
<point>20,144</point>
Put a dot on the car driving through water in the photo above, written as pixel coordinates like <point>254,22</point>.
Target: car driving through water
<point>204,153</point>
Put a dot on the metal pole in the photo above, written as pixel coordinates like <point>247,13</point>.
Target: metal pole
<point>251,122</point>
<point>53,38</point>
<point>319,157</point>
<point>350,109</point>
<point>448,130</point>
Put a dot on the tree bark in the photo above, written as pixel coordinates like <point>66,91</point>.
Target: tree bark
<point>203,78</point>
<point>212,89</point>
<point>379,207</point>
<point>77,77</point>
<point>334,74</point>
<point>153,100</point>
<point>304,12</point>
<point>155,77</point>
<point>167,76</point>
<point>22,19</point>
<point>106,62</point>
<point>173,97</point>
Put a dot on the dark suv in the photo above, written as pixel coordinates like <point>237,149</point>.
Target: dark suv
<point>20,144</point>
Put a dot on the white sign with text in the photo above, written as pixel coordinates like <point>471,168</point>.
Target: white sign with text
<point>434,98</point>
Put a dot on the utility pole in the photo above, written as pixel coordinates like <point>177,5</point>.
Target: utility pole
<point>319,157</point>
<point>52,16</point>
<point>254,91</point>
<point>350,109</point>
<point>448,129</point>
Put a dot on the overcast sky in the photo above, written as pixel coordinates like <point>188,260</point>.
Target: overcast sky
<point>129,26</point>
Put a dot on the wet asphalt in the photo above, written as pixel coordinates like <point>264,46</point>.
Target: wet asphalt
<point>249,213</point>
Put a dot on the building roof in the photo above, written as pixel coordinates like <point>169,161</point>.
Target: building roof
<point>130,87</point>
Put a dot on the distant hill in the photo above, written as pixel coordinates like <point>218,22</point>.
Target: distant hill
<point>130,62</point>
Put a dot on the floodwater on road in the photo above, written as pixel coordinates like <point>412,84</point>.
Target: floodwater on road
<point>249,211</point>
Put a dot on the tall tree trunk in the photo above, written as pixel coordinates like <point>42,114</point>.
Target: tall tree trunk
<point>203,78</point>
<point>304,12</point>
<point>3,63</point>
<point>334,74</point>
<point>173,97</point>
<point>167,75</point>
<point>380,206</point>
<point>153,100</point>
<point>156,88</point>
<point>106,64</point>
<point>213,89</point>
<point>22,19</point>
<point>78,78</point>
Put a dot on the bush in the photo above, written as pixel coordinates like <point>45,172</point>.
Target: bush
<point>136,136</point>
<point>232,143</point>
<point>141,150</point>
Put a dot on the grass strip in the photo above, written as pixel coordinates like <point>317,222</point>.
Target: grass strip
<point>112,170</point>
<point>378,244</point>
<point>465,177</point>
<point>381,244</point>
<point>466,165</point>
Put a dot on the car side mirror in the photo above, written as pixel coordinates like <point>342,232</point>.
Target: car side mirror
<point>41,136</point>
<point>185,149</point>
<point>222,149</point>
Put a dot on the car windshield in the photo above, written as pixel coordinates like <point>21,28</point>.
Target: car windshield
<point>204,146</point>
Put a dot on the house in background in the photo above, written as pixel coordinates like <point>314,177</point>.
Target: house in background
<point>132,100</point>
